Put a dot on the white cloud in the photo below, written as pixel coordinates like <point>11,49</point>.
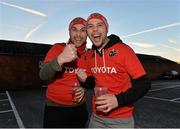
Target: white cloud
<point>32,31</point>
<point>174,48</point>
<point>25,9</point>
<point>172,41</point>
<point>153,29</point>
<point>143,45</point>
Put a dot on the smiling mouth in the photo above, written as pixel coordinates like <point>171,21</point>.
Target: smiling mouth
<point>78,40</point>
<point>96,37</point>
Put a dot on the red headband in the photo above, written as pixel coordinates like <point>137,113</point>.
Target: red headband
<point>98,16</point>
<point>77,20</point>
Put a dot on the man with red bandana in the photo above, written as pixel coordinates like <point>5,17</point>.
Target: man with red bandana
<point>114,65</point>
<point>61,64</point>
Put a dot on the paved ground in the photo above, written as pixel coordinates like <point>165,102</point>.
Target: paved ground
<point>160,108</point>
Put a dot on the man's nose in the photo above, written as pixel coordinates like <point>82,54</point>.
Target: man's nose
<point>78,33</point>
<point>95,28</point>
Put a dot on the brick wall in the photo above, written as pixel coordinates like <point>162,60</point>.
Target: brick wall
<point>156,69</point>
<point>19,71</point>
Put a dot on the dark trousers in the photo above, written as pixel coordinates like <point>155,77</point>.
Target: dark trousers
<point>65,117</point>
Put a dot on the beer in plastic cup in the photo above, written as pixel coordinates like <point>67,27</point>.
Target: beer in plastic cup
<point>98,91</point>
<point>74,89</point>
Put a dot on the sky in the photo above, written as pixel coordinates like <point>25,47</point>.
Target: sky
<point>148,26</point>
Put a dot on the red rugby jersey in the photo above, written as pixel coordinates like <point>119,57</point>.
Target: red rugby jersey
<point>59,89</point>
<point>114,68</point>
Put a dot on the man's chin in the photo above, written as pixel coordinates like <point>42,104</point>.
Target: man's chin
<point>98,44</point>
<point>78,44</point>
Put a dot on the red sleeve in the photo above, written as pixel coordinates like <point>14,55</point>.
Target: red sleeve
<point>132,63</point>
<point>54,51</point>
<point>88,62</point>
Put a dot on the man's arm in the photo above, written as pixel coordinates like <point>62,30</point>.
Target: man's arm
<point>140,87</point>
<point>49,69</point>
<point>87,82</point>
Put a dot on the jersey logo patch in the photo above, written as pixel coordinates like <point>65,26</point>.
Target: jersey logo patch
<point>113,52</point>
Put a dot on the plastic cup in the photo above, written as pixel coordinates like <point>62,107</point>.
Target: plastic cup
<point>98,91</point>
<point>74,89</point>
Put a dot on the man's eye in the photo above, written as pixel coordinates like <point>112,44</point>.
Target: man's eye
<point>89,26</point>
<point>99,25</point>
<point>73,29</point>
<point>83,30</point>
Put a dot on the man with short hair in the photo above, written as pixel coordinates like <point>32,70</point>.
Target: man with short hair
<point>61,64</point>
<point>114,65</point>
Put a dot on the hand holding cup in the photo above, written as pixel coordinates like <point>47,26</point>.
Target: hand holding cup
<point>77,93</point>
<point>104,102</point>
